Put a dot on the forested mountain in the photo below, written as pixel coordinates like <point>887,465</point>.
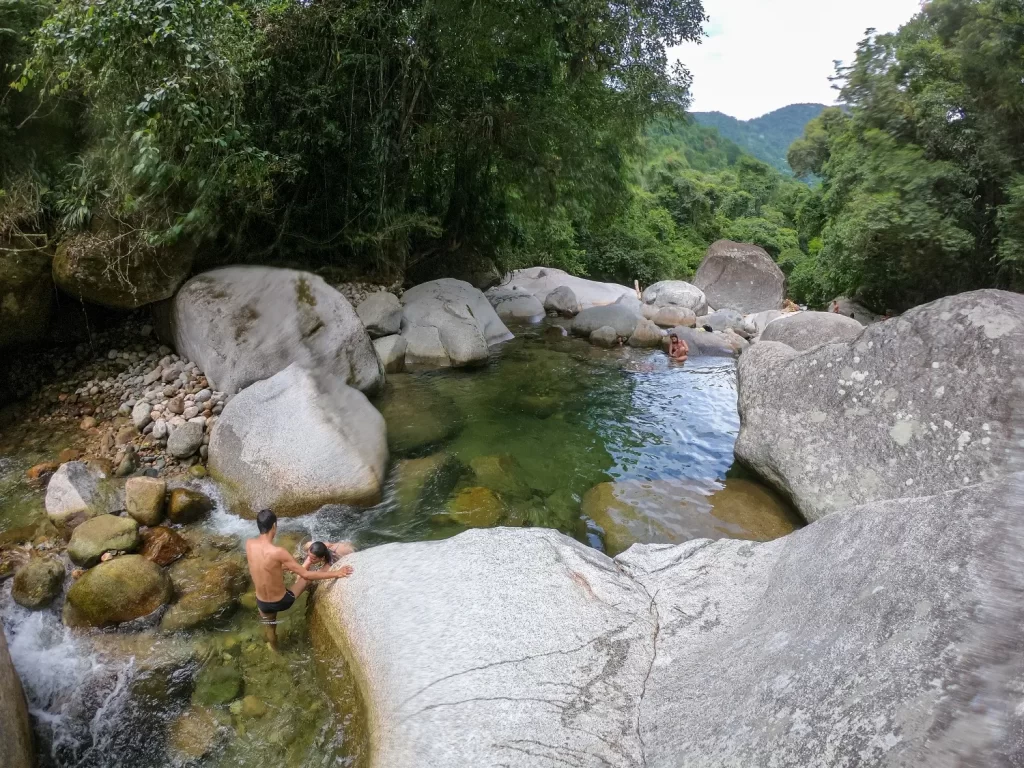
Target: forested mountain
<point>767,137</point>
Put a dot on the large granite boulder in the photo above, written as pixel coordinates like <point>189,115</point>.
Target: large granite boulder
<point>918,404</point>
<point>119,590</point>
<point>676,293</point>
<point>856,638</point>
<point>563,302</point>
<point>707,343</point>
<point>723,320</point>
<point>381,313</point>
<point>740,276</point>
<point>115,269</point>
<point>449,323</point>
<point>297,441</point>
<point>77,492</point>
<point>850,308</point>
<point>542,281</point>
<point>26,294</point>
<point>244,324</point>
<point>514,303</point>
<point>804,330</point>
<point>621,317</point>
<point>15,728</point>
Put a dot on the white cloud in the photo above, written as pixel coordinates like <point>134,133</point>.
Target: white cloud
<point>765,54</point>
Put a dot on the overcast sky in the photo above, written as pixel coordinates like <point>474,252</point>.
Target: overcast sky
<point>764,54</point>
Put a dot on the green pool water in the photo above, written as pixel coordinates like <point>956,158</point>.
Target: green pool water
<point>609,446</point>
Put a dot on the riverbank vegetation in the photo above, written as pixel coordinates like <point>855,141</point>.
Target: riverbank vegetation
<point>413,139</point>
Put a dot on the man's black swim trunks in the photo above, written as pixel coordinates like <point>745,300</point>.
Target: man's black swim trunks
<point>283,604</point>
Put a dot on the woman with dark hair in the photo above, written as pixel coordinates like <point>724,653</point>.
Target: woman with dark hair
<point>319,553</point>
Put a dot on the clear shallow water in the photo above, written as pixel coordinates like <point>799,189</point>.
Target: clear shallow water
<point>609,446</point>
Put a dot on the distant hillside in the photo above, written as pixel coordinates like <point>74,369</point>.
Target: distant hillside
<point>768,137</point>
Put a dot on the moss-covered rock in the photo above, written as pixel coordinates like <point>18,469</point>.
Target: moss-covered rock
<point>417,416</point>
<point>429,477</point>
<point>186,506</point>
<point>476,508</point>
<point>218,684</point>
<point>207,590</point>
<point>144,499</point>
<point>194,733</point>
<point>116,270</point>
<point>106,533</point>
<point>26,293</point>
<point>120,590</point>
<point>37,583</point>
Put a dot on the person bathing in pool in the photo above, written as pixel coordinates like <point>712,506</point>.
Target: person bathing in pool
<point>267,564</point>
<point>678,350</point>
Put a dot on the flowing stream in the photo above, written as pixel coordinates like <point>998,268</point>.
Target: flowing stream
<point>609,446</point>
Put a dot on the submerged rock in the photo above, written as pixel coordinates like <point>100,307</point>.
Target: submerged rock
<point>104,533</point>
<point>449,323</point>
<point>119,590</point>
<point>918,404</point>
<point>813,644</point>
<point>207,591</point>
<point>163,546</point>
<point>15,728</point>
<point>417,480</point>
<point>194,733</point>
<point>740,276</point>
<point>476,507</point>
<point>605,336</point>
<point>678,294</point>
<point>418,416</point>
<point>296,441</point>
<point>804,330</point>
<point>38,582</point>
<point>646,335</point>
<point>185,505</point>
<point>245,324</point>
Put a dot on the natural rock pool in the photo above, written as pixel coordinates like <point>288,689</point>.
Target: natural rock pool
<point>610,446</point>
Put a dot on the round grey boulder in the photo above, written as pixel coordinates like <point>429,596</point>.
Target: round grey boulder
<point>804,330</point>
<point>605,336</point>
<point>676,293</point>
<point>243,324</point>
<point>185,440</point>
<point>381,313</point>
<point>646,335</point>
<point>513,303</point>
<point>76,492</point>
<point>297,441</point>
<point>562,301</point>
<point>740,276</point>
<point>620,317</point>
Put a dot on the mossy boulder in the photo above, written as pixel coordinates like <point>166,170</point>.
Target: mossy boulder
<point>501,473</point>
<point>195,733</point>
<point>186,506</point>
<point>37,583</point>
<point>123,589</point>
<point>207,590</point>
<point>163,546</point>
<point>218,684</point>
<point>26,292</point>
<point>144,499</point>
<point>430,477</point>
<point>106,533</point>
<point>119,271</point>
<point>476,508</point>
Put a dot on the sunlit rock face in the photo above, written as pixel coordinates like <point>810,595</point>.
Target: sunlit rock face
<point>844,642</point>
<point>244,324</point>
<point>915,405</point>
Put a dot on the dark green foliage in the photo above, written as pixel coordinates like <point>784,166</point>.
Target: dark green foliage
<point>768,137</point>
<point>922,190</point>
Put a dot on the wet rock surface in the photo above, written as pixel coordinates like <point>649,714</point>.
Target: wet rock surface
<point>15,729</point>
<point>120,590</point>
<point>38,582</point>
<point>104,533</point>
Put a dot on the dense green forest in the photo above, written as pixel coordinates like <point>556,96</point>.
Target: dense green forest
<point>767,137</point>
<point>922,189</point>
<point>412,139</point>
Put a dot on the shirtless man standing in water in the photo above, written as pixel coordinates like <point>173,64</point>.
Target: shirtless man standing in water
<point>267,564</point>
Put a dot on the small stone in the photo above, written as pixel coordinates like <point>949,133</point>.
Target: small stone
<point>87,423</point>
<point>253,707</point>
<point>190,413</point>
<point>170,391</point>
<point>112,354</point>
<point>141,414</point>
<point>41,472</point>
<point>127,465</point>
<point>203,395</point>
<point>145,331</point>
<point>125,435</point>
<point>176,405</point>
<point>159,429</point>
<point>198,470</point>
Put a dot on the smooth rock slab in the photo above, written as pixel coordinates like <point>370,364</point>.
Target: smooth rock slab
<point>918,404</point>
<point>851,642</point>
<point>676,293</point>
<point>298,441</point>
<point>513,303</point>
<point>805,330</point>
<point>543,281</point>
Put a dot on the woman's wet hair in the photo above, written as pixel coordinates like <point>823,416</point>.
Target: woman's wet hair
<point>319,549</point>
